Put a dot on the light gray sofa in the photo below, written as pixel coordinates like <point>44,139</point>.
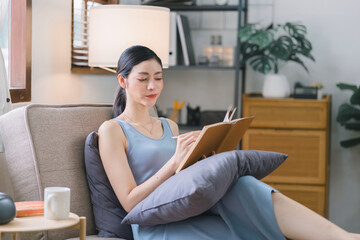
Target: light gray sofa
<point>44,146</point>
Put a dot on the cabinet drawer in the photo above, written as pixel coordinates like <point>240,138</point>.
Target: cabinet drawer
<point>287,113</point>
<point>312,197</point>
<point>306,150</point>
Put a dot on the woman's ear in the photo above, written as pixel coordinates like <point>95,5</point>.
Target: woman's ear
<point>121,80</point>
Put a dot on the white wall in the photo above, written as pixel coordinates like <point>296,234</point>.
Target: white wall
<point>333,30</point>
<point>52,80</point>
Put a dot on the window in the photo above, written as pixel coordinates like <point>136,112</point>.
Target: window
<point>80,15</point>
<point>19,51</point>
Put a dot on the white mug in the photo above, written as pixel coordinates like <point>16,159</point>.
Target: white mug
<point>57,203</point>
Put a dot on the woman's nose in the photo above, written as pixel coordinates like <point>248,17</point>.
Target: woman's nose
<point>151,84</point>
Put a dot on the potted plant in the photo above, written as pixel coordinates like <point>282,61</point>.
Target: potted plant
<point>265,48</point>
<point>349,115</point>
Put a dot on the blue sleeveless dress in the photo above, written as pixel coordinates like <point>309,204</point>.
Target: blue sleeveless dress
<point>245,212</point>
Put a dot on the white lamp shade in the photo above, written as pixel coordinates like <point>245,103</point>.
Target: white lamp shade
<point>114,28</point>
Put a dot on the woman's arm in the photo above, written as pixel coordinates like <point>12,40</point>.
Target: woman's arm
<point>112,147</point>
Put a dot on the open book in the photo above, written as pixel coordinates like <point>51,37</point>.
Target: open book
<point>219,137</point>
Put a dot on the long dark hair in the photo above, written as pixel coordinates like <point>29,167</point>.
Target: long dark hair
<point>129,58</point>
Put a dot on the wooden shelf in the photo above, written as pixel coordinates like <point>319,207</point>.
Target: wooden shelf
<point>90,70</point>
<point>301,129</point>
<point>182,67</point>
<point>201,7</point>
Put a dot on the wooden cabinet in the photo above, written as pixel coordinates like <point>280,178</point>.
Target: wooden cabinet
<point>299,128</point>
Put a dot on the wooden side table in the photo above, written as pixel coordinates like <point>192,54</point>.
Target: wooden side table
<point>40,223</point>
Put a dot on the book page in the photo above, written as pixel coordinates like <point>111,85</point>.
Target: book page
<point>209,140</point>
<point>232,139</point>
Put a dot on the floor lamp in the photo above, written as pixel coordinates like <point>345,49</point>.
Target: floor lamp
<point>113,28</point>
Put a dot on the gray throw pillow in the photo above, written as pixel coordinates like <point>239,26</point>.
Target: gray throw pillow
<point>197,188</point>
<point>107,209</point>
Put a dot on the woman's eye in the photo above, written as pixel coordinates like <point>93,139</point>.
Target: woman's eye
<point>142,79</point>
<point>158,79</point>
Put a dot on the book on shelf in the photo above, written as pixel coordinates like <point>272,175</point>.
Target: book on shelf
<point>185,39</point>
<point>219,137</point>
<point>173,40</point>
<point>29,208</point>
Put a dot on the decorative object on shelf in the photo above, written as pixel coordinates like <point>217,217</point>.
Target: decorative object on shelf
<point>203,60</point>
<point>176,111</point>
<point>276,86</point>
<point>217,54</point>
<point>349,115</point>
<point>319,86</point>
<point>193,116</point>
<point>107,42</point>
<point>306,92</point>
<point>264,48</point>
<point>221,2</point>
<point>7,208</point>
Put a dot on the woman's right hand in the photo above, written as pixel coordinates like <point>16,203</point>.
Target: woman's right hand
<point>184,143</point>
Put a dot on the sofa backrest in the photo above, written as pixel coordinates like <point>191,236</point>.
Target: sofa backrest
<point>44,146</point>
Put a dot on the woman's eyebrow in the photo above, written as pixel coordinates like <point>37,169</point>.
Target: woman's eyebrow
<point>146,73</point>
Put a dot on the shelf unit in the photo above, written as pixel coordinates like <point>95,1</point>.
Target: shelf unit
<point>301,129</point>
<point>241,8</point>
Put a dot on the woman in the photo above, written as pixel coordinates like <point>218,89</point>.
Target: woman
<point>138,155</point>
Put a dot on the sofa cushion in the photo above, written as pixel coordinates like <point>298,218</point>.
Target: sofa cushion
<point>107,209</point>
<point>197,188</point>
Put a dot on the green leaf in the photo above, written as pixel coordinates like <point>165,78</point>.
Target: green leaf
<point>345,86</point>
<point>304,47</point>
<point>352,126</point>
<point>295,58</point>
<point>347,112</point>
<point>355,98</point>
<point>262,38</point>
<point>262,63</point>
<point>350,143</point>
<point>282,48</point>
<point>248,51</point>
<point>295,30</point>
<point>247,31</point>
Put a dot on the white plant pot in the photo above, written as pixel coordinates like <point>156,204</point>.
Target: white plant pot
<point>276,86</point>
<point>319,94</point>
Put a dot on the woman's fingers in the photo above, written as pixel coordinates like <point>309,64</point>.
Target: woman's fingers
<point>189,134</point>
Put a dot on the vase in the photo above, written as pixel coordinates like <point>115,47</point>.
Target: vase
<point>276,86</point>
<point>319,94</point>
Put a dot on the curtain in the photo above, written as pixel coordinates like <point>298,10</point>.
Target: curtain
<point>4,89</point>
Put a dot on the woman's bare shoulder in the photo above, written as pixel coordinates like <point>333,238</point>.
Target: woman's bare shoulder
<point>111,133</point>
<point>174,127</point>
<point>112,129</point>
<point>109,126</point>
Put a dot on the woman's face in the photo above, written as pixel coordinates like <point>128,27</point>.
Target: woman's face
<point>144,83</point>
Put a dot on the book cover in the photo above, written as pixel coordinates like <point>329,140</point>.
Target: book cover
<point>218,137</point>
<point>185,39</point>
<point>173,40</point>
<point>29,208</point>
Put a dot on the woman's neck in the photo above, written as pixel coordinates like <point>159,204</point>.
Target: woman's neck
<point>137,114</point>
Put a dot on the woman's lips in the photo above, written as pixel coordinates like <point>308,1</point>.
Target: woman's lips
<point>151,96</point>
